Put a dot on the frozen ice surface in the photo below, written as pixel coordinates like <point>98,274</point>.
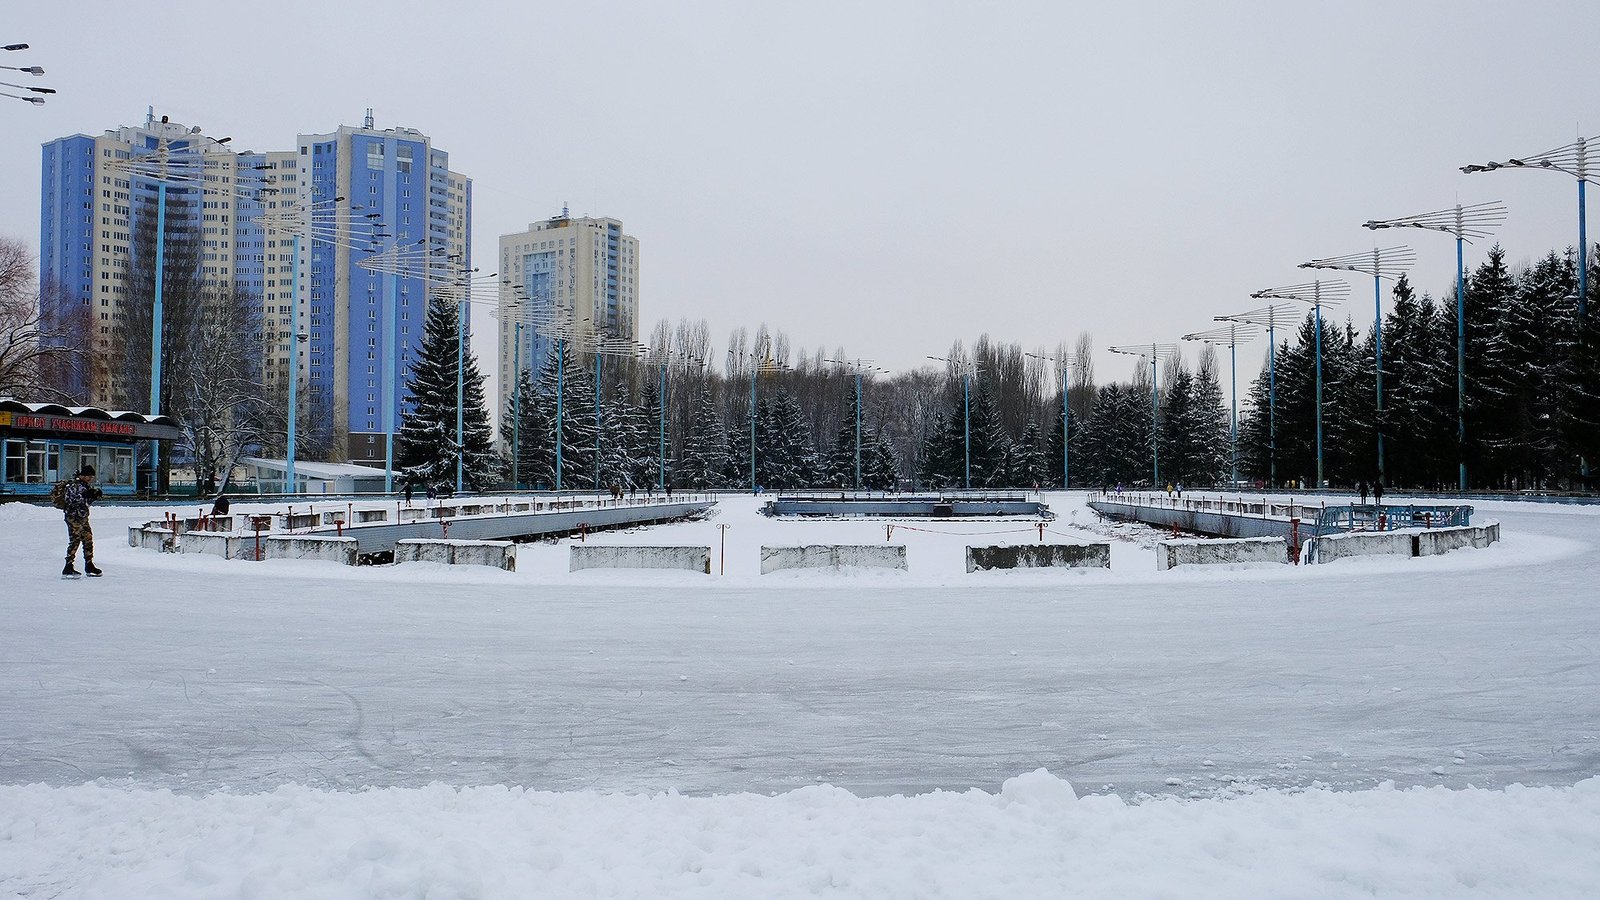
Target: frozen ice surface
<point>227,716</point>
<point>196,674</point>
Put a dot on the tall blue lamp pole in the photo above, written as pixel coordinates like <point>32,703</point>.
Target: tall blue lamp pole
<point>1065,363</point>
<point>1230,335</point>
<point>1464,223</point>
<point>1268,317</point>
<point>1316,293</point>
<point>967,369</point>
<point>1388,262</point>
<point>1155,353</point>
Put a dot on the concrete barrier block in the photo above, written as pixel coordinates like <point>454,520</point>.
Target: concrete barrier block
<point>594,556</point>
<point>1442,540</point>
<point>500,554</point>
<point>422,550</point>
<point>1170,554</point>
<point>413,515</point>
<point>1039,556</point>
<point>834,556</point>
<point>1330,547</point>
<point>372,515</point>
<point>341,550</point>
<point>153,537</point>
<point>224,546</point>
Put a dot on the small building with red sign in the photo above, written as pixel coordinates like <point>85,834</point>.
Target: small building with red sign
<point>43,443</point>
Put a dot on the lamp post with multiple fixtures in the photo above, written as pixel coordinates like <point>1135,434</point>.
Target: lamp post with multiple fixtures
<point>1315,293</point>
<point>858,369</point>
<point>1155,353</point>
<point>163,166</point>
<point>1231,336</point>
<point>1476,220</point>
<point>1065,361</point>
<point>1269,317</point>
<point>1388,262</point>
<point>31,93</point>
<point>968,370</point>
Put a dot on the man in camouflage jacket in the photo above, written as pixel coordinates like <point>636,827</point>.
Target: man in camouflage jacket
<point>78,494</point>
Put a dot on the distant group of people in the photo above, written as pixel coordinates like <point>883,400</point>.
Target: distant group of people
<point>1376,490</point>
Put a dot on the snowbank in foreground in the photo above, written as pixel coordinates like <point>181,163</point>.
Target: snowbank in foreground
<point>1033,839</point>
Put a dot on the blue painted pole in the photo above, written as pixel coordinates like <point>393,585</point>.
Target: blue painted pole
<point>561,378</point>
<point>1233,368</point>
<point>661,400</point>
<point>1272,402</point>
<point>1461,358</point>
<point>156,328</point>
<point>1317,310</point>
<point>1583,250</point>
<point>597,418</point>
<point>752,425</point>
<point>1377,345</point>
<point>461,369</point>
<point>293,487</point>
<point>516,408</point>
<point>1066,468</point>
<point>858,429</point>
<point>966,432</point>
<point>1155,424</point>
<point>391,380</point>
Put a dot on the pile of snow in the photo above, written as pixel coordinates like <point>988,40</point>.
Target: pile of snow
<point>1033,839</point>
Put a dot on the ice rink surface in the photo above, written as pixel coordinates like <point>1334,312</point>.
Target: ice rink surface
<point>189,727</point>
<point>1479,667</point>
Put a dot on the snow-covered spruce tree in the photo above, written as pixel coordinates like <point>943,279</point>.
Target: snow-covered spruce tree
<point>786,458</point>
<point>880,465</point>
<point>704,459</point>
<point>1027,459</point>
<point>533,446</point>
<point>428,450</point>
<point>1213,423</point>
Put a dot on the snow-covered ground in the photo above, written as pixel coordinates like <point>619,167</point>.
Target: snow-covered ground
<point>1215,707</point>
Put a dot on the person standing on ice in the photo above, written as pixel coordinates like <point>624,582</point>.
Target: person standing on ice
<point>1377,492</point>
<point>1362,487</point>
<point>76,495</point>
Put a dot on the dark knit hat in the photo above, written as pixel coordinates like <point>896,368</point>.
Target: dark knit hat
<point>87,470</point>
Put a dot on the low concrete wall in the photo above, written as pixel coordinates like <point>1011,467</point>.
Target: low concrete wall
<point>1220,551</point>
<point>226,546</point>
<point>1330,547</point>
<point>590,556</point>
<point>1040,556</point>
<point>341,550</point>
<point>152,537</point>
<point>833,556</point>
<point>1443,540</point>
<point>500,554</point>
<point>372,515</point>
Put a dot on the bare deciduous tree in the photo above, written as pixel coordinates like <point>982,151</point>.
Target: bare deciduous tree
<point>35,348</point>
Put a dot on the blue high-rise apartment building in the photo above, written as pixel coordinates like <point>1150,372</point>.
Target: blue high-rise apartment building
<point>366,322</point>
<point>384,197</point>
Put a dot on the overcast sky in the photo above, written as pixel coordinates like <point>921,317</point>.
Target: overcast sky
<point>887,176</point>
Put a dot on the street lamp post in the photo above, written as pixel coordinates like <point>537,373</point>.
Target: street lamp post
<point>967,369</point>
<point>162,168</point>
<point>1269,317</point>
<point>858,369</point>
<point>1573,160</point>
<point>1065,362</point>
<point>1231,336</point>
<point>1477,220</point>
<point>1155,353</point>
<point>315,221</point>
<point>1315,293</point>
<point>1388,262</point>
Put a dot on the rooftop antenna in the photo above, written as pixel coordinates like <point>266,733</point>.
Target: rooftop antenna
<point>369,125</point>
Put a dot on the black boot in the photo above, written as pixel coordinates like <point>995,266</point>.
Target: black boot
<point>91,568</point>
<point>70,571</point>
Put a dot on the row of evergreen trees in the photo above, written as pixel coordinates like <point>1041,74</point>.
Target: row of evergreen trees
<point>1532,398</point>
<point>1532,411</point>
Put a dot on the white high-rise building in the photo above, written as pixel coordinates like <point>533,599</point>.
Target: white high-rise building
<point>582,271</point>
